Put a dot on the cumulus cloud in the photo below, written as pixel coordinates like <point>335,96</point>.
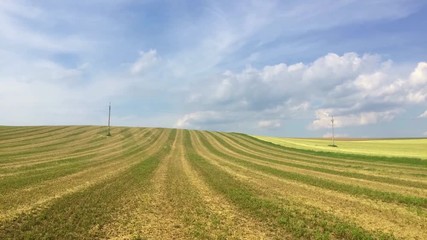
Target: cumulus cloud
<point>419,75</point>
<point>356,89</point>
<point>262,88</point>
<point>43,65</point>
<point>145,60</point>
<point>417,86</point>
<point>269,124</point>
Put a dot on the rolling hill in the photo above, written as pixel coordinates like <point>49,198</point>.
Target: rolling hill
<point>74,182</point>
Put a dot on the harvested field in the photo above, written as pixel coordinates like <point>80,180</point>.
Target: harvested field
<point>74,182</point>
<point>393,147</point>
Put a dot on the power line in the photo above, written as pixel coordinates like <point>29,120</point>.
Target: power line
<point>109,118</point>
<point>333,131</point>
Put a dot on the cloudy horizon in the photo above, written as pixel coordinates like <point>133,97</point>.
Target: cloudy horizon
<point>278,68</point>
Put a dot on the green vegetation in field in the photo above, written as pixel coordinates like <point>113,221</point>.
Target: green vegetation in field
<point>416,148</point>
<point>318,182</point>
<point>311,224</point>
<point>73,182</point>
<point>83,214</point>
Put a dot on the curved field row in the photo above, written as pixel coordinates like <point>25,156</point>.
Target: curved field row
<point>355,170</point>
<point>17,134</point>
<point>307,178</point>
<point>414,147</point>
<point>405,169</point>
<point>374,161</point>
<point>20,191</point>
<point>76,183</point>
<point>369,213</point>
<point>381,183</point>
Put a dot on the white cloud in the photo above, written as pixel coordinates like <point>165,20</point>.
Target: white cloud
<point>203,118</point>
<point>419,75</point>
<point>304,106</point>
<point>357,90</point>
<point>342,12</point>
<point>41,91</point>
<point>266,87</point>
<point>425,133</point>
<point>423,115</point>
<point>359,119</point>
<point>48,44</point>
<point>24,27</point>
<point>269,124</point>
<point>370,82</point>
<point>334,69</point>
<point>17,9</point>
<point>145,60</point>
<point>329,135</point>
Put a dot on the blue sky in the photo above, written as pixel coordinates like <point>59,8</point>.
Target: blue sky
<point>279,68</point>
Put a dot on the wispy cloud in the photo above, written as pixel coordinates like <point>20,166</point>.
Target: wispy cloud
<point>269,124</point>
<point>203,118</point>
<point>359,119</point>
<point>145,60</point>
<point>423,115</point>
<point>24,28</point>
<point>339,135</point>
<point>213,64</point>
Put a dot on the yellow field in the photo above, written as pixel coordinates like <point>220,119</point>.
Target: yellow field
<point>74,182</point>
<point>382,147</point>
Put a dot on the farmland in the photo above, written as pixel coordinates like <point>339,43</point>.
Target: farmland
<point>415,148</point>
<point>151,183</point>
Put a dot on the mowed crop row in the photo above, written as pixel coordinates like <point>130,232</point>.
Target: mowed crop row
<point>75,182</point>
<point>392,147</point>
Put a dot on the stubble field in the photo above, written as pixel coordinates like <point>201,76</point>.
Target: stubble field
<point>409,147</point>
<point>74,182</point>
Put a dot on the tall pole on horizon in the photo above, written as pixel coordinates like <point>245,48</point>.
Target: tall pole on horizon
<point>333,131</point>
<point>109,117</point>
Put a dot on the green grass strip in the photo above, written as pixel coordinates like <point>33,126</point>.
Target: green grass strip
<point>25,132</point>
<point>82,215</point>
<point>337,162</point>
<point>74,135</point>
<point>357,157</point>
<point>400,182</point>
<point>326,184</point>
<point>309,224</point>
<point>31,178</point>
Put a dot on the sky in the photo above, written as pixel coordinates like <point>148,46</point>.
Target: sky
<point>276,68</point>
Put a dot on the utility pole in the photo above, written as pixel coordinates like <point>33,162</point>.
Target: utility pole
<point>333,131</point>
<point>109,117</point>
